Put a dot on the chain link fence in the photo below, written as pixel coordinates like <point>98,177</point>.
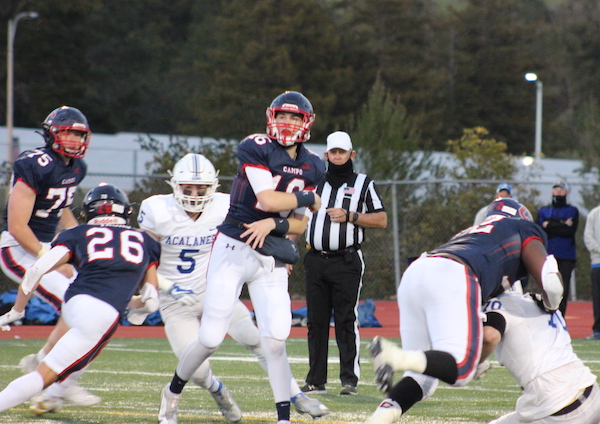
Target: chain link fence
<point>421,216</point>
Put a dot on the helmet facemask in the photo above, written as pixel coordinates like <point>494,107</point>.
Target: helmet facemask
<point>195,170</point>
<point>60,140</point>
<point>285,133</point>
<point>58,128</point>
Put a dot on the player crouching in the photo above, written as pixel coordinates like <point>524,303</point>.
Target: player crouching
<point>113,260</point>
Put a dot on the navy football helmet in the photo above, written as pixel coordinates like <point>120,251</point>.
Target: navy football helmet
<point>509,208</point>
<point>106,204</point>
<point>57,126</point>
<point>293,102</point>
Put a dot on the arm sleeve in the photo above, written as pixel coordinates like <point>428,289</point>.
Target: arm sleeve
<point>260,179</point>
<point>41,267</point>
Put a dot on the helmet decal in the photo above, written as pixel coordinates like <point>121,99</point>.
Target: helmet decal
<point>106,204</point>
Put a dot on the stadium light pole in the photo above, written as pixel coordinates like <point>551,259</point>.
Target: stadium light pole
<point>538,113</point>
<point>12,32</point>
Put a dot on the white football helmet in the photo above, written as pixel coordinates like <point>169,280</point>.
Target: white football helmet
<point>194,169</point>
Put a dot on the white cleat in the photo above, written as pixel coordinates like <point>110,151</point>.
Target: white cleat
<point>380,348</point>
<point>43,404</point>
<point>76,395</point>
<point>313,407</point>
<point>227,404</point>
<point>387,412</point>
<point>169,402</point>
<point>29,363</point>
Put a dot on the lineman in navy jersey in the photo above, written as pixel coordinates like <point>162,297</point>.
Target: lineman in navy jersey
<point>453,280</point>
<point>275,179</point>
<point>113,260</point>
<point>44,182</point>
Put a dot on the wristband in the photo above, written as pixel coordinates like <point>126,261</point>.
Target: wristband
<point>305,198</point>
<point>281,227</point>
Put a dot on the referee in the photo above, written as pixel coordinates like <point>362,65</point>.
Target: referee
<point>334,264</point>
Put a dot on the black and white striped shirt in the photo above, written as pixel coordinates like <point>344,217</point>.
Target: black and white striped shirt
<point>358,195</point>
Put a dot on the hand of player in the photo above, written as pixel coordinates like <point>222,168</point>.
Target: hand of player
<point>317,205</point>
<point>257,231</point>
<point>186,297</point>
<point>10,317</point>
<point>482,369</point>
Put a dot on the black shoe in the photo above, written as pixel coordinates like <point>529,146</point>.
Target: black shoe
<point>349,389</point>
<point>311,388</point>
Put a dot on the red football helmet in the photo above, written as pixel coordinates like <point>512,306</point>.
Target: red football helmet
<point>293,102</point>
<point>57,126</point>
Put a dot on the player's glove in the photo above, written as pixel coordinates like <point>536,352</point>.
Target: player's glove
<point>186,297</point>
<point>482,369</point>
<point>149,296</point>
<point>540,302</point>
<point>10,317</point>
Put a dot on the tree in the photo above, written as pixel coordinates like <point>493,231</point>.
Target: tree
<point>387,138</point>
<point>495,43</point>
<point>259,49</point>
<point>220,152</point>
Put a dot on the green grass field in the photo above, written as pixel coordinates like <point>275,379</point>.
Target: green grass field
<point>130,373</point>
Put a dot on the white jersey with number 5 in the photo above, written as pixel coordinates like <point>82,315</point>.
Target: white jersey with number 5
<point>536,349</point>
<point>185,243</point>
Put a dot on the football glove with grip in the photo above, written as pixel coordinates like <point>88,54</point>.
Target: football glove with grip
<point>10,317</point>
<point>186,297</point>
<point>148,295</point>
<point>552,283</point>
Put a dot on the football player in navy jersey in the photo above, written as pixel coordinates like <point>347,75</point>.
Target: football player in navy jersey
<point>274,185</point>
<point>452,281</point>
<point>44,181</point>
<point>113,261</point>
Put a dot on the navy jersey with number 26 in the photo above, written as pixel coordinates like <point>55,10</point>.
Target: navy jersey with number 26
<point>289,175</point>
<point>493,251</point>
<point>111,261</point>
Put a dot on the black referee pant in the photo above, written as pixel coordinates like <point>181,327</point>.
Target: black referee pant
<point>333,282</point>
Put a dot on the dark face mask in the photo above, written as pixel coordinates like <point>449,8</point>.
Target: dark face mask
<point>558,201</point>
<point>337,175</point>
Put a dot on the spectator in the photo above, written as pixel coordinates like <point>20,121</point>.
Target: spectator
<point>503,190</point>
<point>591,238</point>
<point>560,221</point>
<point>334,264</point>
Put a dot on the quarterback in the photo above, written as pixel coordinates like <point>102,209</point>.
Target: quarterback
<point>185,223</point>
<point>267,203</point>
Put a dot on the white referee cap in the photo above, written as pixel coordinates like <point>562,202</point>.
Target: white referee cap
<point>339,140</point>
